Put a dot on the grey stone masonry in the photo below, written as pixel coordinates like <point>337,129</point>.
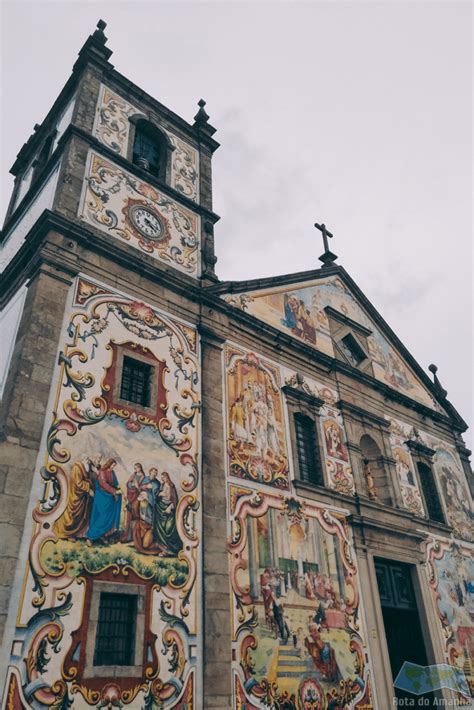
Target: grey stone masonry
<point>23,412</point>
<point>216,632</point>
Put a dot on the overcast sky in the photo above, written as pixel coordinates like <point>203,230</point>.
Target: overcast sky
<point>357,114</point>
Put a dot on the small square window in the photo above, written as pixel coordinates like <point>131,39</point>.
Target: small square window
<point>352,350</point>
<point>136,380</point>
<point>115,638</point>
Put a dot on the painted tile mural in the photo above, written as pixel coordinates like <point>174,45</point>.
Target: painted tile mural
<point>112,127</point>
<point>450,478</point>
<point>450,565</point>
<point>332,432</point>
<point>118,511</point>
<point>454,490</point>
<point>298,640</point>
<point>123,206</point>
<point>300,312</point>
<point>411,496</point>
<point>256,430</point>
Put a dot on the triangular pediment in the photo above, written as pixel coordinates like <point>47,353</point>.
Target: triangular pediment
<point>330,314</point>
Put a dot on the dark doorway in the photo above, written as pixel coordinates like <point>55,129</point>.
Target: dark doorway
<point>401,620</point>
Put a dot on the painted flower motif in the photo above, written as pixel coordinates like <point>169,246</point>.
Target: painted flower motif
<point>133,424</point>
<point>99,325</point>
<point>111,696</point>
<point>189,240</point>
<point>142,312</point>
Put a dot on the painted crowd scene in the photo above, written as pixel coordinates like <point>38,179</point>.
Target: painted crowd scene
<point>300,602</point>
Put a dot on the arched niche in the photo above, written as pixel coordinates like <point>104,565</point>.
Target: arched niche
<point>376,480</point>
<point>150,147</point>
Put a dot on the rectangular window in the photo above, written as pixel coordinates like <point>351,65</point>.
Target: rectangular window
<point>307,446</point>
<point>136,379</point>
<point>430,493</point>
<point>115,638</point>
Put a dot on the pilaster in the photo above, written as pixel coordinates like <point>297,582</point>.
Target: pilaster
<point>216,594</point>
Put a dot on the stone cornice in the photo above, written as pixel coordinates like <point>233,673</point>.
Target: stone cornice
<point>417,447</point>
<point>344,320</point>
<point>300,395</point>
<point>360,413</point>
<point>122,162</point>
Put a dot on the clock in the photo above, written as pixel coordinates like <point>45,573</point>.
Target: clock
<point>147,222</point>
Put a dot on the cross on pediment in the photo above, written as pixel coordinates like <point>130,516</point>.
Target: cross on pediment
<point>328,258</point>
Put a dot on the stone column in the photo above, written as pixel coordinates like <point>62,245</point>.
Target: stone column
<point>22,417</point>
<point>217,652</point>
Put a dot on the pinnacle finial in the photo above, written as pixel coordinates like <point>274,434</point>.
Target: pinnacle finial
<point>433,368</point>
<point>99,32</point>
<point>201,117</point>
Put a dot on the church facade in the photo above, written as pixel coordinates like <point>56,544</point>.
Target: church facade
<point>213,494</point>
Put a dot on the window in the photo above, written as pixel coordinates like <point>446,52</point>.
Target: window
<point>307,447</point>
<point>352,350</point>
<point>136,379</point>
<point>149,149</point>
<point>43,155</point>
<point>430,493</point>
<point>115,638</point>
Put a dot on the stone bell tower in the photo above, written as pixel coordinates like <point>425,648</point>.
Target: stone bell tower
<point>107,246</point>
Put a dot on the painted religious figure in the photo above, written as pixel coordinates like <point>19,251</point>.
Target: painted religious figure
<point>256,428</point>
<point>456,498</point>
<point>334,440</point>
<point>74,521</point>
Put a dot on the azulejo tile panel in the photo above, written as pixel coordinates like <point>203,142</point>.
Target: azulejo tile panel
<point>127,209</point>
<point>255,419</point>
<point>411,496</point>
<point>298,637</point>
<point>112,128</point>
<point>300,311</point>
<point>450,567</point>
<point>118,496</point>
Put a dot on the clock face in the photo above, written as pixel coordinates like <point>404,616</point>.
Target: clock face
<point>147,222</point>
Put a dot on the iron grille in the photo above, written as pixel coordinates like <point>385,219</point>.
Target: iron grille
<point>135,385</point>
<point>115,639</point>
<point>307,446</point>
<point>430,493</point>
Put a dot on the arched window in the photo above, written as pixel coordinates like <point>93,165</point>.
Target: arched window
<point>430,493</point>
<point>150,149</point>
<point>376,482</point>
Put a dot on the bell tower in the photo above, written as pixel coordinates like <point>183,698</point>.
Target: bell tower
<point>107,250</point>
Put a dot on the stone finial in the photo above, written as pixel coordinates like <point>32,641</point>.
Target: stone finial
<point>99,32</point>
<point>201,120</point>
<point>201,117</point>
<point>441,391</point>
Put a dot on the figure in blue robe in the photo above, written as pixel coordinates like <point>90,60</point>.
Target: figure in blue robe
<point>106,506</point>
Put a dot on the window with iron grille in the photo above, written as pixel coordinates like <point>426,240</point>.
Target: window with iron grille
<point>430,493</point>
<point>308,450</point>
<point>115,638</point>
<point>136,381</point>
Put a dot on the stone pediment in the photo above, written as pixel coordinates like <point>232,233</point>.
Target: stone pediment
<point>328,313</point>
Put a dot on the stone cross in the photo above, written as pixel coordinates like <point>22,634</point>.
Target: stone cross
<point>323,229</point>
